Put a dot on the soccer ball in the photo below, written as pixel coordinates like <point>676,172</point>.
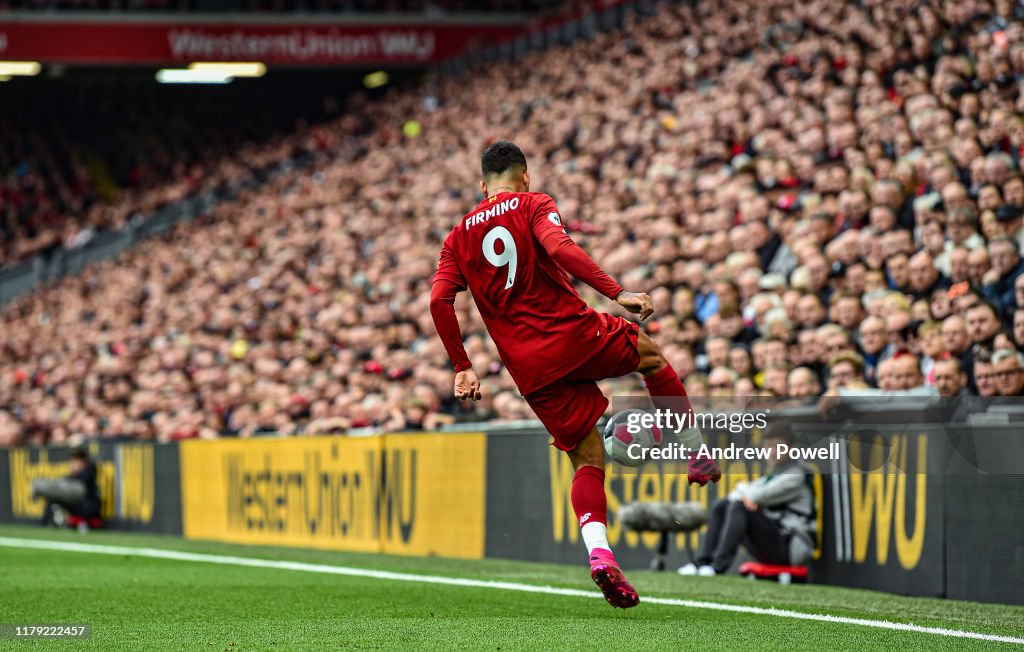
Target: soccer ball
<point>619,435</point>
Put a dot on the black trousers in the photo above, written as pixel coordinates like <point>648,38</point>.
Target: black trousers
<point>730,525</point>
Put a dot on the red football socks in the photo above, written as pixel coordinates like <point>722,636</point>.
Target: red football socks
<point>591,507</point>
<point>665,384</point>
<point>588,499</point>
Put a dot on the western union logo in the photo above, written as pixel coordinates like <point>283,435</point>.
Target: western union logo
<point>407,494</point>
<point>879,501</point>
<point>376,499</point>
<point>135,490</point>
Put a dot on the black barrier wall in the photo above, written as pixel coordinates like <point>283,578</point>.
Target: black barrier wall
<point>984,538</point>
<point>959,536</point>
<point>139,484</point>
<point>883,529</point>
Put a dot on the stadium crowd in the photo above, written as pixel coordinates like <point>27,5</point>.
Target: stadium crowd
<point>821,198</point>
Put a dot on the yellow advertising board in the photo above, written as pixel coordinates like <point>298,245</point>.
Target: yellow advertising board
<point>416,494</point>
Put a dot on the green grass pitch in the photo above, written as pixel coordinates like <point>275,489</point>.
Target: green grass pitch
<point>138,603</point>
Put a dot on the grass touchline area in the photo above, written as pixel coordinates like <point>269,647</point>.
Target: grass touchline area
<point>486,584</point>
<point>341,593</point>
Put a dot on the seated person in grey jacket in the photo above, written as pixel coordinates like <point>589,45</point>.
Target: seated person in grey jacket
<point>77,494</point>
<point>773,517</point>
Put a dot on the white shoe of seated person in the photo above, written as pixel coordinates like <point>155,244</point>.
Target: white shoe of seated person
<point>60,517</point>
<point>688,569</point>
<point>706,571</point>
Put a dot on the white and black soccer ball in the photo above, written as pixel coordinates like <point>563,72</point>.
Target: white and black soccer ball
<point>623,432</point>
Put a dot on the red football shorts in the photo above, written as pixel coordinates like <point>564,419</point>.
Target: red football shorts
<point>570,406</point>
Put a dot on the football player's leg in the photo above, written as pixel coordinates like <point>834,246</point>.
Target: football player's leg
<point>588,494</point>
<point>667,392</point>
<point>569,411</point>
<point>591,506</point>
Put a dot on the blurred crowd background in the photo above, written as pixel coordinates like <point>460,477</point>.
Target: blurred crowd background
<point>821,198</point>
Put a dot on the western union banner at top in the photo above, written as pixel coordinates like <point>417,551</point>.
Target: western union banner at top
<point>400,494</point>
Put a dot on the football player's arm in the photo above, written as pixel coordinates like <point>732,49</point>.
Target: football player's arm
<point>448,281</point>
<point>547,228</point>
<point>577,262</point>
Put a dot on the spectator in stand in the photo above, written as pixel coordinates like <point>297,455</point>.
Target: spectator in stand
<point>907,371</point>
<point>845,369</point>
<point>697,386</point>
<point>954,336</point>
<point>846,310</point>
<point>1010,218</point>
<point>1018,292</point>
<point>954,266</point>
<point>982,327</point>
<point>932,347</point>
<point>950,379</point>
<point>717,349</point>
<point>1009,372</point>
<point>776,378</point>
<point>803,383</point>
<point>1006,268</point>
<point>873,341</point>
<point>978,266</point>
<point>1018,328</point>
<point>888,378</point>
<point>722,382</point>
<point>985,375</point>
<point>740,362</point>
<point>899,332</point>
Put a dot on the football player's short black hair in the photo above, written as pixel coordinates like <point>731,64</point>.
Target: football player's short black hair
<point>501,157</point>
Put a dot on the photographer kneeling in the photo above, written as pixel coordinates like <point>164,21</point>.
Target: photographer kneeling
<point>75,495</point>
<point>773,517</point>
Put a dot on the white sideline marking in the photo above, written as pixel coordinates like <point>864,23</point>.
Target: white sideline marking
<point>157,553</point>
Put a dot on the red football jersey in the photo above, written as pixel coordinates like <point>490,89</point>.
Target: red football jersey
<point>540,325</point>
